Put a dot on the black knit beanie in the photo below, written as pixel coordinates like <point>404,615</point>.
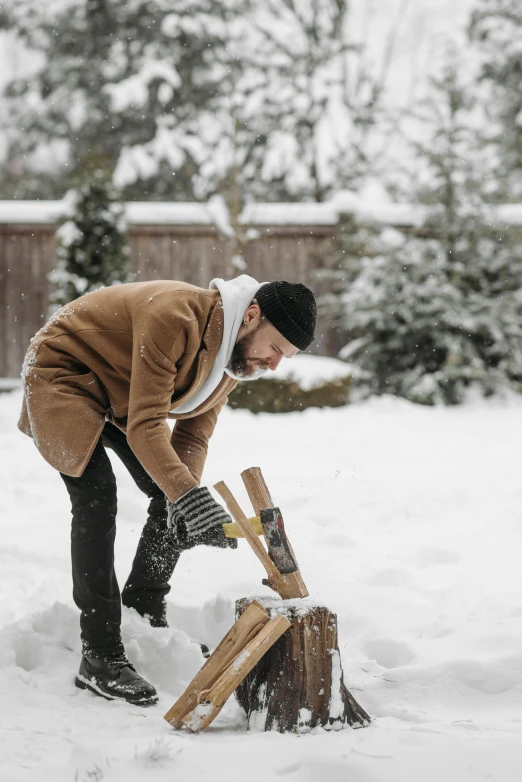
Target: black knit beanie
<point>290,308</point>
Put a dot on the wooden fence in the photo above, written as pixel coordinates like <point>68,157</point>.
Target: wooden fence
<point>193,253</point>
<point>182,241</point>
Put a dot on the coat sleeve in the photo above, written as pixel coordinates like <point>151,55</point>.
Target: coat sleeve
<point>190,438</point>
<point>152,384</point>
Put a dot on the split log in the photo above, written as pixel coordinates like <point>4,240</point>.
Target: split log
<point>239,635</point>
<point>243,646</point>
<point>261,498</point>
<point>212,701</point>
<point>289,585</point>
<point>298,685</point>
<point>274,576</point>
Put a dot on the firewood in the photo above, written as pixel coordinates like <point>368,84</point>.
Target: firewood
<point>239,635</point>
<point>212,700</point>
<point>260,498</point>
<point>284,585</point>
<point>274,578</point>
<point>298,685</point>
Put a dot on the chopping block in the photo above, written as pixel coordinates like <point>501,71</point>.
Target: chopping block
<point>299,684</point>
<point>281,656</point>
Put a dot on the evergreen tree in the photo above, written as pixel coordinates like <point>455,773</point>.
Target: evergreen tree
<point>191,98</point>
<point>358,241</point>
<point>309,98</point>
<point>92,249</point>
<point>443,311</point>
<point>496,28</point>
<point>118,85</point>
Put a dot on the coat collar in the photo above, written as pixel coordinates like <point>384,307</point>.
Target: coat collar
<point>213,334</point>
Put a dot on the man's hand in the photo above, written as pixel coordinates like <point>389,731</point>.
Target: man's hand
<point>196,518</point>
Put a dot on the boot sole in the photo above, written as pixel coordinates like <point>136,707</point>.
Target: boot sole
<point>85,684</point>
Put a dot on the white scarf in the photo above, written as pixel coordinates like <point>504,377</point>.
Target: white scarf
<point>236,296</point>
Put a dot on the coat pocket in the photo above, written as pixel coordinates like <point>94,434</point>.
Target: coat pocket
<point>77,383</point>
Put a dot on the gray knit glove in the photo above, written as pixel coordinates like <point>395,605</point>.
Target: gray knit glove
<point>196,518</point>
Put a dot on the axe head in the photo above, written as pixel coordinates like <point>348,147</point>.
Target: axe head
<point>275,534</point>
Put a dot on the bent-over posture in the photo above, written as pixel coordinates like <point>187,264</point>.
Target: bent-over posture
<point>107,371</point>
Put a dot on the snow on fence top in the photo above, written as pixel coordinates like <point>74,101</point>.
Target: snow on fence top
<point>38,212</point>
<point>137,213</point>
<point>161,213</point>
<point>290,214</point>
<point>191,213</point>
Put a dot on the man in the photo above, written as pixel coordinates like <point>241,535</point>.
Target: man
<point>108,370</point>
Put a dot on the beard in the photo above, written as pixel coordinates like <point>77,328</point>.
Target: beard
<point>242,366</point>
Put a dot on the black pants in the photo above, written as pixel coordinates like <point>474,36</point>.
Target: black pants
<point>95,588</point>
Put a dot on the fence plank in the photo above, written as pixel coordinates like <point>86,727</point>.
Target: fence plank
<point>3,307</point>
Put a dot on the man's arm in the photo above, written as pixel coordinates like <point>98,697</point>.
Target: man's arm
<point>190,438</point>
<point>155,353</point>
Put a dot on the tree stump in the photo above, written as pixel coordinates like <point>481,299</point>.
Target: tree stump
<point>298,684</point>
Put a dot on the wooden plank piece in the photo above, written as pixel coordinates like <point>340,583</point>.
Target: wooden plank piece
<point>255,484</point>
<point>216,697</point>
<point>257,489</point>
<point>239,635</point>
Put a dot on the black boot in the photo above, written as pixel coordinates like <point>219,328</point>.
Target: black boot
<point>115,678</point>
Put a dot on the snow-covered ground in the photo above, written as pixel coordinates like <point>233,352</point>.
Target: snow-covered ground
<point>406,521</point>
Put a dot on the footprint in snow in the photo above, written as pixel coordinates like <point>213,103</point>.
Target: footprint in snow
<point>392,577</point>
<point>389,653</point>
<point>436,556</point>
<point>337,539</point>
<point>490,677</point>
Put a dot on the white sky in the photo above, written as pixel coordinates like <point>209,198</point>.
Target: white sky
<point>425,28</point>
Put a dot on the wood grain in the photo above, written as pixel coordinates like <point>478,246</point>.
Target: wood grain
<point>255,484</point>
<point>274,576</point>
<point>239,635</point>
<point>298,685</point>
<point>217,695</point>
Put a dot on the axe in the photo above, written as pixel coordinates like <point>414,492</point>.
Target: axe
<point>277,540</point>
<point>279,561</point>
<point>270,524</point>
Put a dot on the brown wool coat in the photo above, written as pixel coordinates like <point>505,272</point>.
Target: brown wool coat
<point>127,354</point>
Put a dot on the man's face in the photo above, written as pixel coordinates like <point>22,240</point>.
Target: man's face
<point>259,347</point>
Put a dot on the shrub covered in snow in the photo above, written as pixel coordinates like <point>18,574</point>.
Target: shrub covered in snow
<point>441,311</point>
<point>305,381</point>
<point>424,335</point>
<point>267,395</point>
